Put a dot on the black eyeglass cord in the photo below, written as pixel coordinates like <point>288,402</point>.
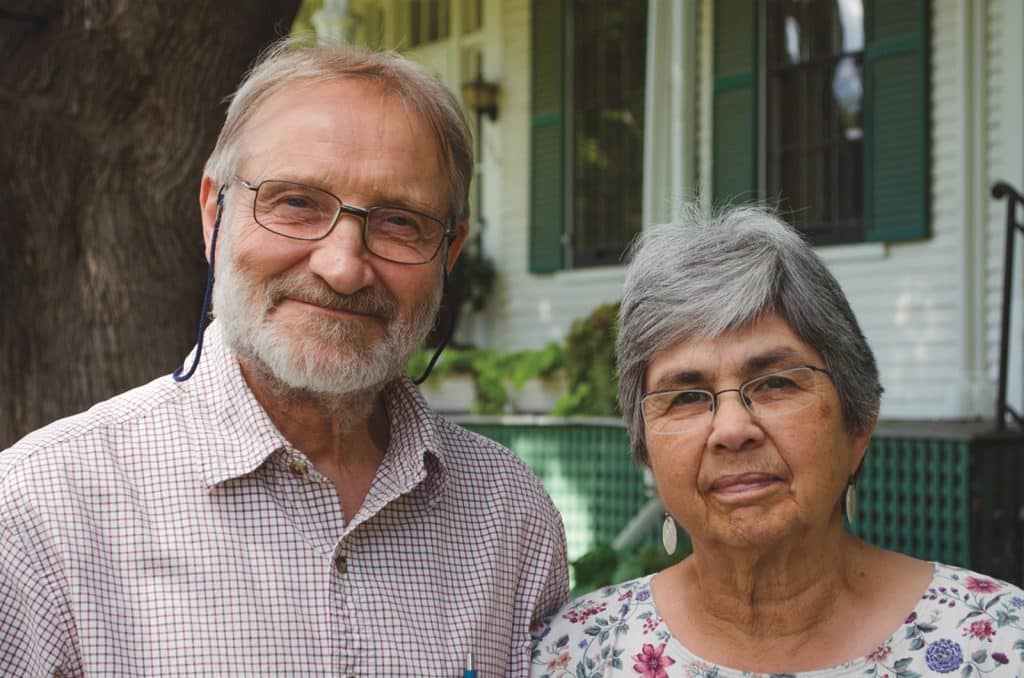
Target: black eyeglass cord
<point>204,311</point>
<point>448,333</point>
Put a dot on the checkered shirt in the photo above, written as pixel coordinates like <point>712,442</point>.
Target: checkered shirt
<point>172,530</point>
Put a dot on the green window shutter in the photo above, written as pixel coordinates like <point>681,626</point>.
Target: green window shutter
<point>896,119</point>
<point>547,135</point>
<point>734,137</point>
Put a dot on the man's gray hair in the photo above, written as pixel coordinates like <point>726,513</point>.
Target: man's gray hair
<point>292,61</point>
<point>705,275</point>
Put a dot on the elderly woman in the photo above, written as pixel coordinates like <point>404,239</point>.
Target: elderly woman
<point>751,394</point>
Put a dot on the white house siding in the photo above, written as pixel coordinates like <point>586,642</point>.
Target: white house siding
<point>530,310</point>
<point>1003,153</point>
<point>930,309</point>
<point>910,297</point>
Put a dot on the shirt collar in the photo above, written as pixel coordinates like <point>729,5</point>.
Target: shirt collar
<point>235,435</point>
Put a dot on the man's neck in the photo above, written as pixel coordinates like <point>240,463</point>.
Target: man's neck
<point>344,436</point>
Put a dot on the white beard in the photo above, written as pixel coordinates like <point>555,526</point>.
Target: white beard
<point>317,354</point>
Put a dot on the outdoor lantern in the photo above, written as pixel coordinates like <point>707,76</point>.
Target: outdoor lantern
<point>481,96</point>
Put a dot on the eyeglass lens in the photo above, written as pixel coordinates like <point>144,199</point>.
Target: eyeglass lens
<point>308,213</point>
<point>770,395</point>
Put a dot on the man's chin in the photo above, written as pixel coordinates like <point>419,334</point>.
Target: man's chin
<point>327,369</point>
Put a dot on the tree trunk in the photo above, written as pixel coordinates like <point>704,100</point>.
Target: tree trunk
<point>109,109</point>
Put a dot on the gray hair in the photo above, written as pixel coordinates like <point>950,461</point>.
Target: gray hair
<point>705,275</point>
<point>301,60</point>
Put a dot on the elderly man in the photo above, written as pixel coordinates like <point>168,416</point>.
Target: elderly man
<point>294,507</point>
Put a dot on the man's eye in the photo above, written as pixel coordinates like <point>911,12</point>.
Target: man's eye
<point>296,201</point>
<point>401,220</point>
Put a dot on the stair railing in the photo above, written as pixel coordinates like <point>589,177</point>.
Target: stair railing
<point>1002,190</point>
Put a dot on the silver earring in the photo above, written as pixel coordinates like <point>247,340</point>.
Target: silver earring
<point>669,537</point>
<point>850,502</point>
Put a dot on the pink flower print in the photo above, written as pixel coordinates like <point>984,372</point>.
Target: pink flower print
<point>981,629</point>
<point>979,585</point>
<point>650,663</point>
<point>559,662</point>
<point>649,625</point>
<point>880,654</point>
<point>580,616</point>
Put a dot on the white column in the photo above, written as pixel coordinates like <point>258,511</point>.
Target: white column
<point>670,133</point>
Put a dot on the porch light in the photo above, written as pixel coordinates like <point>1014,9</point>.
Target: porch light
<point>481,96</point>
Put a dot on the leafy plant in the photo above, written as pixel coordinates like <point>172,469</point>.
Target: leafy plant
<point>603,565</point>
<point>590,365</point>
<point>491,370</point>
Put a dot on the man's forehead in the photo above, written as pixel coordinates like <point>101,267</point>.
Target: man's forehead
<point>321,132</point>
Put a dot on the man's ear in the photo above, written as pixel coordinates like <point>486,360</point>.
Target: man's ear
<point>208,190</point>
<point>455,248</point>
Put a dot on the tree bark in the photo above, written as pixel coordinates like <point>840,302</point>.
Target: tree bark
<point>109,109</point>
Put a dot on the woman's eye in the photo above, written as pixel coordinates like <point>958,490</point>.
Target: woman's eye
<point>685,398</point>
<point>778,382</point>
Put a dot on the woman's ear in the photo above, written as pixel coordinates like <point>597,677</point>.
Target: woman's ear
<point>860,442</point>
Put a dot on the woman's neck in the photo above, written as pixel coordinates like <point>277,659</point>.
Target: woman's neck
<point>773,593</point>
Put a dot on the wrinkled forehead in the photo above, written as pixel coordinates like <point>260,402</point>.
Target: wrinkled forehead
<point>766,344</point>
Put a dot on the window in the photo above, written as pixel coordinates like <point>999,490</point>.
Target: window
<point>586,131</point>
<point>821,106</point>
<point>814,101</point>
<point>428,21</point>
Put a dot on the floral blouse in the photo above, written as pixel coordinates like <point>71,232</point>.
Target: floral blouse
<point>966,624</point>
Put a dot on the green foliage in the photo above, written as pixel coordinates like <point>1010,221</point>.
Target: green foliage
<point>594,568</point>
<point>491,370</point>
<point>588,359</point>
<point>303,24</point>
<point>603,565</point>
<point>526,365</point>
<point>472,277</point>
<point>590,365</point>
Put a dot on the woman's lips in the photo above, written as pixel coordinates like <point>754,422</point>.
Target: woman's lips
<point>740,483</point>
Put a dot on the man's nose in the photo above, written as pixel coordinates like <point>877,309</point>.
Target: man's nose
<point>341,259</point>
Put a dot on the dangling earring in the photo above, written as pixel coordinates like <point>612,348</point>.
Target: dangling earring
<point>850,501</point>
<point>669,537</point>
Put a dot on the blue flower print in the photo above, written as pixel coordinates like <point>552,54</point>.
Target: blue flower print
<point>944,656</point>
<point>1017,602</point>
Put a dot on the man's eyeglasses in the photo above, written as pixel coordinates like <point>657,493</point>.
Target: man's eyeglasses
<point>769,395</point>
<point>303,212</point>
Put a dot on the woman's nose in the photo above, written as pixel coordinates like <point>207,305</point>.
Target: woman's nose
<point>733,426</point>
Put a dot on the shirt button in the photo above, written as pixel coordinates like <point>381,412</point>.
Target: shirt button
<point>340,564</point>
<point>299,468</point>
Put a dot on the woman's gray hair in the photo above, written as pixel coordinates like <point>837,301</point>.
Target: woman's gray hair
<point>303,60</point>
<point>708,274</point>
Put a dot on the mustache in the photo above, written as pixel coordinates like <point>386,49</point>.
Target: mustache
<point>367,301</point>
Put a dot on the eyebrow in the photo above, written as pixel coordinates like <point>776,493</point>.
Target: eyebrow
<point>780,356</point>
<point>777,357</point>
<point>390,200</point>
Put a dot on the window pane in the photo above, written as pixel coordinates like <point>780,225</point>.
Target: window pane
<point>609,53</point>
<point>814,89</point>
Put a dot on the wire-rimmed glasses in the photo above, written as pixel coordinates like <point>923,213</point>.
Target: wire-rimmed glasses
<point>765,396</point>
<point>304,212</point>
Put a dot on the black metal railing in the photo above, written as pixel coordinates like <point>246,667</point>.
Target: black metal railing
<point>1003,191</point>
